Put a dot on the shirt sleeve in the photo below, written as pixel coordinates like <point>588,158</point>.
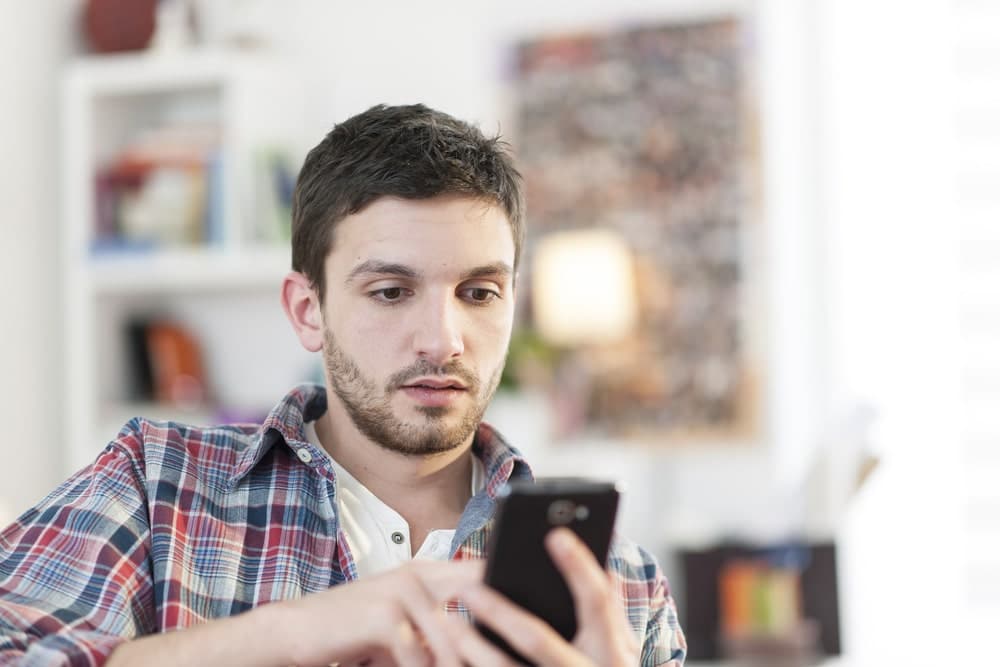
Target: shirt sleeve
<point>664,644</point>
<point>75,575</point>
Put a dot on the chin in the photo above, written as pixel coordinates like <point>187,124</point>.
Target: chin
<point>433,412</point>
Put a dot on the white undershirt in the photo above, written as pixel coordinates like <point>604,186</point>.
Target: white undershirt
<point>370,524</point>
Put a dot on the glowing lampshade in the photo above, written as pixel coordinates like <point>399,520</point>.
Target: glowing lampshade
<point>583,287</point>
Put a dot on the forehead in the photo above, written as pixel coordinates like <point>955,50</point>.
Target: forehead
<point>436,235</point>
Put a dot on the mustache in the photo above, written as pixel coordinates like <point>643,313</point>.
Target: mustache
<point>424,368</point>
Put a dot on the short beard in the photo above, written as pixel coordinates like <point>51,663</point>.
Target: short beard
<point>371,410</point>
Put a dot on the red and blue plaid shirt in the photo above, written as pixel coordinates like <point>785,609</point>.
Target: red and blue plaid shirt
<point>174,525</point>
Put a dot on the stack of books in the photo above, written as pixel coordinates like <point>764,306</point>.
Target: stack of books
<point>164,188</point>
<point>761,621</point>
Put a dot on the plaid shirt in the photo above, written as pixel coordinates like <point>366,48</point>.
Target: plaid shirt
<point>174,525</point>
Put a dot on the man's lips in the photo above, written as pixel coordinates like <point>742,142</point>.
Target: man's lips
<point>434,392</point>
<point>435,383</point>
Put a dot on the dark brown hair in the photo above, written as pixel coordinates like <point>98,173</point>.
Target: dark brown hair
<point>411,152</point>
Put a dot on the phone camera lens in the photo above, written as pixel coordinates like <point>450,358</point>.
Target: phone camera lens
<point>561,512</point>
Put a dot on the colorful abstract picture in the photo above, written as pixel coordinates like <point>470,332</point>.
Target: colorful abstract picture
<point>651,132</point>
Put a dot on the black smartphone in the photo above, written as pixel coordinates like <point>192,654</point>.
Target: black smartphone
<point>519,566</point>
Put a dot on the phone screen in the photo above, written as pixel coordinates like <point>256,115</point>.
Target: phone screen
<point>518,564</point>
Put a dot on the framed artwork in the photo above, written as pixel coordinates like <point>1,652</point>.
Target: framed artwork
<point>650,132</point>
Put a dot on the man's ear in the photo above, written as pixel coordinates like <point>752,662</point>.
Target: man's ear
<point>301,304</point>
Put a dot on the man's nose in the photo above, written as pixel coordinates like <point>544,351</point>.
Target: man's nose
<point>438,335</point>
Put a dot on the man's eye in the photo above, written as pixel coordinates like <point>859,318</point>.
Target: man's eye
<point>388,294</point>
<point>481,295</point>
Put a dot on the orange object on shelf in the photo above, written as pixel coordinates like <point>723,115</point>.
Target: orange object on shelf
<point>175,361</point>
<point>737,580</point>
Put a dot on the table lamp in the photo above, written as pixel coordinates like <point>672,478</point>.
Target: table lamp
<point>583,288</point>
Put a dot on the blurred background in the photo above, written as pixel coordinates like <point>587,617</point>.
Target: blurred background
<point>761,287</point>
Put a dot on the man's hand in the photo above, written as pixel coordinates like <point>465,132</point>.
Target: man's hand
<point>396,618</point>
<point>603,637</point>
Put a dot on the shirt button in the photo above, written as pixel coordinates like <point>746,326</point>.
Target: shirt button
<point>398,538</point>
<point>304,455</point>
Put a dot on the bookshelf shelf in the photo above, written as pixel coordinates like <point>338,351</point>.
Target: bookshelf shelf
<point>138,73</point>
<point>205,269</point>
<point>174,187</point>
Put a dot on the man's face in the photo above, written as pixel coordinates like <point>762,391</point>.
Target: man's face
<point>417,316</point>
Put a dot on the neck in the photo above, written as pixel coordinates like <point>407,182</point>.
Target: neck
<point>428,491</point>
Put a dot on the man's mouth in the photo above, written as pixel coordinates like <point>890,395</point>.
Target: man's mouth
<point>439,384</point>
<point>434,392</point>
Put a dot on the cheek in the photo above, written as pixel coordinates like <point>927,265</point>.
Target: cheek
<point>372,345</point>
<point>368,326</point>
<point>492,339</point>
<point>367,343</point>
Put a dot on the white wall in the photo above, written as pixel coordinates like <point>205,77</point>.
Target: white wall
<point>894,222</point>
<point>33,42</point>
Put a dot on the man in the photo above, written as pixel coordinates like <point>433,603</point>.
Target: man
<point>347,528</point>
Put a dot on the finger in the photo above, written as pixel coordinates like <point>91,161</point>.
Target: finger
<point>600,609</point>
<point>446,580</point>
<point>425,586</point>
<point>473,648</point>
<point>527,633</point>
<point>593,594</point>
<point>379,659</point>
<point>425,612</point>
<point>404,644</point>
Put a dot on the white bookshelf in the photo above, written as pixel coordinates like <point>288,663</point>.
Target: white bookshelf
<point>223,290</point>
<point>199,269</point>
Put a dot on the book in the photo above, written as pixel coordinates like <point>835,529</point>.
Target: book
<point>165,364</point>
<point>163,188</point>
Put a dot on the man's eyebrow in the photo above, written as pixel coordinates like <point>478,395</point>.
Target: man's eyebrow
<point>381,268</point>
<point>501,269</point>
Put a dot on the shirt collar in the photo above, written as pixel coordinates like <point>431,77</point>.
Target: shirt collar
<point>307,402</point>
<point>501,461</point>
<point>284,423</point>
